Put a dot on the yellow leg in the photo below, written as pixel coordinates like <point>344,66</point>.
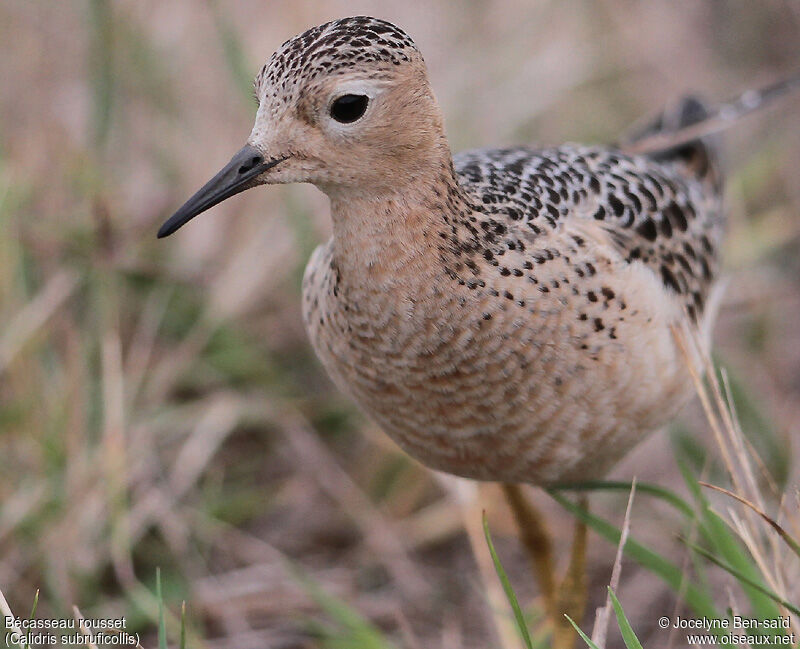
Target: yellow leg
<point>536,540</point>
<point>572,591</point>
<point>568,597</point>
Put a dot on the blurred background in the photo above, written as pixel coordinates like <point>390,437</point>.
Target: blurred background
<point>160,405</point>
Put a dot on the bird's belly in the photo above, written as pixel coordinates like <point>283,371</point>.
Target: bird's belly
<point>502,399</point>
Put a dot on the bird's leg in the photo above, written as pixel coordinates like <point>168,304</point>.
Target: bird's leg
<point>570,595</point>
<point>536,540</point>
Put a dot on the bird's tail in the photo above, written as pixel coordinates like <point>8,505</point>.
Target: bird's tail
<point>698,155</point>
<point>695,122</point>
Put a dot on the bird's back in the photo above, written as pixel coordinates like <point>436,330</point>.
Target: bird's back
<point>662,211</point>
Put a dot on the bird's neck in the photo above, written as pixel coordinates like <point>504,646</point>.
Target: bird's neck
<point>384,238</point>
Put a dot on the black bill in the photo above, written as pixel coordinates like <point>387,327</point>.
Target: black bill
<point>236,176</point>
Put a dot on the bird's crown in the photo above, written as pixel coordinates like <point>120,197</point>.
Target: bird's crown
<point>334,47</point>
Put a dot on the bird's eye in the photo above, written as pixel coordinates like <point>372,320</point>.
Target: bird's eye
<point>348,108</point>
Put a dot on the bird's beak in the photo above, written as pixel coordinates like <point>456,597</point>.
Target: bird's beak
<point>236,176</point>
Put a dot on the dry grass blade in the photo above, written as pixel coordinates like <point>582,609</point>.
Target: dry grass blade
<point>216,424</point>
<point>747,449</point>
<point>691,347</point>
<point>339,485</point>
<point>86,632</point>
<point>16,507</point>
<point>6,609</point>
<point>751,542</point>
<point>410,639</point>
<point>726,430</point>
<point>165,375</point>
<point>603,614</point>
<point>725,116</point>
<point>144,340</point>
<point>738,460</point>
<point>35,314</point>
<point>790,541</point>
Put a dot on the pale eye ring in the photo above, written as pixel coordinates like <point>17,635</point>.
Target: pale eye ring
<point>349,108</point>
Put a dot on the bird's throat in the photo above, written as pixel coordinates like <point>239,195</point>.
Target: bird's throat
<point>388,239</point>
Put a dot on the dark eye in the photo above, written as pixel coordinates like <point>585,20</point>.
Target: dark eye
<point>348,108</point>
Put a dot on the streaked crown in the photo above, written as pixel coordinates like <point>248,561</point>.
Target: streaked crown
<point>332,47</point>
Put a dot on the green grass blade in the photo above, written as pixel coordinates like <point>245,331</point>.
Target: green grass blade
<point>730,549</point>
<point>628,636</point>
<point>509,591</point>
<point>35,605</point>
<point>657,491</point>
<point>183,626</point>
<point>33,611</point>
<point>744,578</point>
<point>759,430</point>
<point>699,600</point>
<point>687,446</point>
<point>162,623</point>
<point>355,630</point>
<point>583,636</point>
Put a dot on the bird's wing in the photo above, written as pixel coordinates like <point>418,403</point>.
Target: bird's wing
<point>650,212</point>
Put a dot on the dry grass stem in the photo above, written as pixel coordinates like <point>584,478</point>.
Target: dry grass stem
<point>86,632</point>
<point>35,314</point>
<point>759,532</point>
<point>603,614</point>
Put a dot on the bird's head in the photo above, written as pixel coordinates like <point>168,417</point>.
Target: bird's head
<point>346,106</point>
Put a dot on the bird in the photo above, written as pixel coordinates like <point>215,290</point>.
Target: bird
<point>503,314</point>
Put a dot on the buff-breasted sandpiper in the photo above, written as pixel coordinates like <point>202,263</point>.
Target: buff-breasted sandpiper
<point>503,314</point>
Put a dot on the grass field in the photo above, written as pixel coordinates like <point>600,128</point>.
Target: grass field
<point>160,406</point>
